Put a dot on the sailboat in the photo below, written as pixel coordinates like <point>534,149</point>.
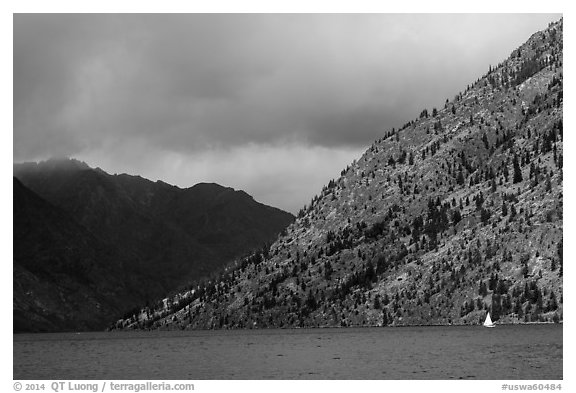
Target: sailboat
<point>488,322</point>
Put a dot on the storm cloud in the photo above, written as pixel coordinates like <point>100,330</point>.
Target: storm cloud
<point>275,104</point>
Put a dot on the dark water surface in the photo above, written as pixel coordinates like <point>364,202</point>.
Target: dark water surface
<point>448,352</point>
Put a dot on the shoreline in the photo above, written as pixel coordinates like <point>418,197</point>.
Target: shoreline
<point>293,328</point>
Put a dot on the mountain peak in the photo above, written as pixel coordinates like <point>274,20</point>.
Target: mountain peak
<point>50,165</point>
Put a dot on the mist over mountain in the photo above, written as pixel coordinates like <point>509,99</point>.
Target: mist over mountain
<point>89,245</point>
<point>457,213</point>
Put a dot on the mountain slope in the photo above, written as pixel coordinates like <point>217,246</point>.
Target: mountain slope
<point>456,213</point>
<point>63,275</point>
<point>161,235</point>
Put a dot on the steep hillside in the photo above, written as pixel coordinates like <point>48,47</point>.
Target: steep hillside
<point>456,213</point>
<point>63,275</point>
<point>161,235</point>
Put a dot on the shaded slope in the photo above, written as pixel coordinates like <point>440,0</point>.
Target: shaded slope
<point>163,236</point>
<point>64,277</point>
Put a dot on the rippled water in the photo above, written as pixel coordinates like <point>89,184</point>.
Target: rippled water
<point>449,352</point>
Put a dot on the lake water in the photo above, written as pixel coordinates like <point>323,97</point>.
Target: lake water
<point>448,352</point>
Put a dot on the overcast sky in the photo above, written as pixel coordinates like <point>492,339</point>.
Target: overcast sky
<point>275,105</point>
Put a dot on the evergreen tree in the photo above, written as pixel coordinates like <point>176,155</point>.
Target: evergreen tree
<point>517,171</point>
<point>482,290</point>
<point>460,178</point>
<point>548,182</point>
<point>385,321</point>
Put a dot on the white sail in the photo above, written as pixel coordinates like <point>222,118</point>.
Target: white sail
<point>488,321</point>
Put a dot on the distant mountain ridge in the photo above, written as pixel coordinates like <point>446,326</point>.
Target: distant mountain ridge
<point>59,280</point>
<point>162,236</point>
<point>457,213</point>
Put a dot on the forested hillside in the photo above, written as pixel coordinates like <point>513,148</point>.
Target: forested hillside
<point>456,213</point>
